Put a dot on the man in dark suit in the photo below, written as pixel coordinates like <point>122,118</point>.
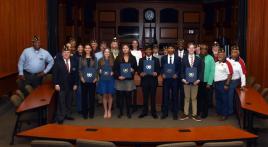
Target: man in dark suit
<point>191,62</point>
<point>65,79</point>
<point>169,63</point>
<point>181,52</point>
<point>149,81</point>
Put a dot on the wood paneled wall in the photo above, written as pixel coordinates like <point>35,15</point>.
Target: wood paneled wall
<point>257,40</point>
<point>20,20</point>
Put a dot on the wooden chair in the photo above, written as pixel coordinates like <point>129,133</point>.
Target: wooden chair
<point>92,143</point>
<point>224,144</point>
<point>47,78</point>
<point>182,144</point>
<point>16,100</point>
<point>29,88</point>
<point>257,87</point>
<point>48,143</point>
<point>250,80</point>
<point>20,94</point>
<point>264,92</point>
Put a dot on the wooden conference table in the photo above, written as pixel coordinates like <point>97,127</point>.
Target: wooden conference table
<point>251,102</point>
<point>40,100</point>
<point>138,136</point>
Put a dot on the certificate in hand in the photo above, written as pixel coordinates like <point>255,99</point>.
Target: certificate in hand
<point>148,66</point>
<point>89,74</point>
<point>191,74</point>
<point>125,70</point>
<point>169,70</point>
<point>106,72</point>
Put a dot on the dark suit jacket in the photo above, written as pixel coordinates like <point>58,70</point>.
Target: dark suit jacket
<point>61,77</point>
<point>156,69</point>
<point>177,62</point>
<point>197,64</point>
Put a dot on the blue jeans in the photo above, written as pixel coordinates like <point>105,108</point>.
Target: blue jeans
<point>231,92</point>
<point>221,98</point>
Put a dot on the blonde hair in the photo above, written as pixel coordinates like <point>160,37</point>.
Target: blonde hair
<point>111,58</point>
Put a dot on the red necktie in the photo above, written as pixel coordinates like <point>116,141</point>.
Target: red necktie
<point>67,65</point>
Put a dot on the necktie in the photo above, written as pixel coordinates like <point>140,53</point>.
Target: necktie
<point>192,60</point>
<point>67,65</point>
<point>170,60</point>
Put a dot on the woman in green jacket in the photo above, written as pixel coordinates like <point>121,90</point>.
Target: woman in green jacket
<point>206,83</point>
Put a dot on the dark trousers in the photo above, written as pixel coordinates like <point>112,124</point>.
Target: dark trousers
<point>221,98</point>
<point>134,100</point>
<point>149,85</point>
<point>88,99</point>
<point>203,99</point>
<point>64,104</point>
<point>170,85</point>
<point>231,93</point>
<point>124,96</point>
<point>30,79</point>
<point>181,94</point>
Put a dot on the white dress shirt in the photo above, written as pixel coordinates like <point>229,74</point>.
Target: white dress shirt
<point>191,58</point>
<point>180,53</point>
<point>221,71</point>
<point>237,71</point>
<point>137,54</point>
<point>69,64</point>
<point>172,59</point>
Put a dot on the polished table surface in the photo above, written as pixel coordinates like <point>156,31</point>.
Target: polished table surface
<point>252,100</point>
<point>41,96</point>
<point>138,135</point>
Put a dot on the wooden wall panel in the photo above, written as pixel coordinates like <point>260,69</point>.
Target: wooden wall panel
<point>20,20</point>
<point>257,40</point>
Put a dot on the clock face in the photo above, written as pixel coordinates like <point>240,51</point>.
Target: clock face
<point>149,15</point>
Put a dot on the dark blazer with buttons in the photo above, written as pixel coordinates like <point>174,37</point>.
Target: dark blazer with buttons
<point>156,69</point>
<point>62,77</point>
<point>177,62</point>
<point>197,64</point>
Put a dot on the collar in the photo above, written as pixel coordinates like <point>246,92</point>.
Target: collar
<point>171,56</point>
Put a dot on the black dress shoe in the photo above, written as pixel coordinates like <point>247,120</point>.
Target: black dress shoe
<point>69,118</point>
<point>129,115</point>
<point>119,115</point>
<point>85,116</point>
<point>60,122</point>
<point>155,116</point>
<point>175,117</point>
<point>91,116</point>
<point>164,116</point>
<point>142,115</point>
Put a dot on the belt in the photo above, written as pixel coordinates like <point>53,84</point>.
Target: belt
<point>24,71</point>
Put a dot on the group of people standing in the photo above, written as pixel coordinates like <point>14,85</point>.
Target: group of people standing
<point>91,71</point>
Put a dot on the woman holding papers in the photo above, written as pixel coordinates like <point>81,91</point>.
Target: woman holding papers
<point>106,81</point>
<point>88,79</point>
<point>124,69</point>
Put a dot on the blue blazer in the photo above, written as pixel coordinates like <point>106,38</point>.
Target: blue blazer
<point>177,62</point>
<point>197,64</point>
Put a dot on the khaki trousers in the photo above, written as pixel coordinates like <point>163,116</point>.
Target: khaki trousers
<point>190,92</point>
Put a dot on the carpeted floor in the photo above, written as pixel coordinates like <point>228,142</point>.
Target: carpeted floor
<point>7,121</point>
